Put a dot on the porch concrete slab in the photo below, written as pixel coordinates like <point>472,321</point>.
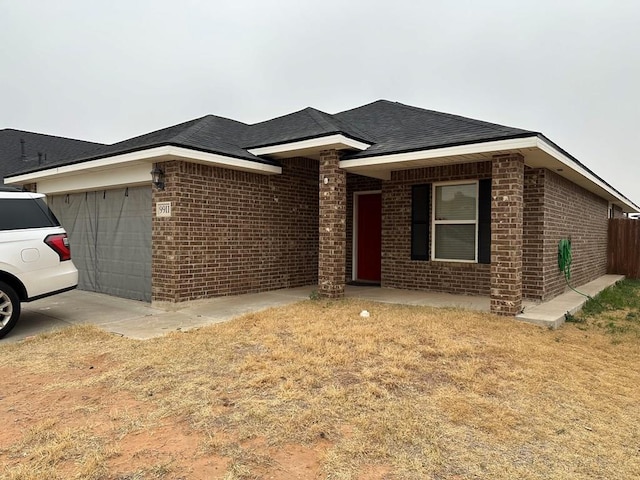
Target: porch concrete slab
<point>552,313</point>
<point>414,297</point>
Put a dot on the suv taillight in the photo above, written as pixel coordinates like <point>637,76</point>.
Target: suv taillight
<point>60,244</point>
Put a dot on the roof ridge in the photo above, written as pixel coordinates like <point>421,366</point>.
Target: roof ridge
<point>182,124</point>
<point>342,126</point>
<point>203,125</point>
<point>194,128</point>
<point>278,117</point>
<point>318,117</point>
<point>381,100</point>
<point>472,121</point>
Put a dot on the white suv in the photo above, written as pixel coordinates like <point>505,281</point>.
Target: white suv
<point>35,259</point>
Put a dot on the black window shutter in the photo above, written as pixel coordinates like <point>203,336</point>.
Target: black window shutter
<point>484,221</point>
<point>420,221</point>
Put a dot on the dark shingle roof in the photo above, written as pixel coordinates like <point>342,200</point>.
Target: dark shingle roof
<point>302,125</point>
<point>389,127</point>
<point>395,127</point>
<point>52,149</point>
<point>210,134</point>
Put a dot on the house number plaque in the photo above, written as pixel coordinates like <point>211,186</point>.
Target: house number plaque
<point>163,209</point>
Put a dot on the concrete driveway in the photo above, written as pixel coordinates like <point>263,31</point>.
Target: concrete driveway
<point>140,320</point>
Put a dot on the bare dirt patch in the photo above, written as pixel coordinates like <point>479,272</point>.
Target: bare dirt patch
<point>313,390</point>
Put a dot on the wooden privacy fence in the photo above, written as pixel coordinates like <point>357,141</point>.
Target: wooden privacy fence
<point>623,250</point>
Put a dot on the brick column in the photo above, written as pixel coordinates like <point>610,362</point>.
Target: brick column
<point>166,237</point>
<point>332,223</point>
<point>506,234</point>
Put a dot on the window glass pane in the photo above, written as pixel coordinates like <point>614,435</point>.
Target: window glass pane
<point>25,213</point>
<point>456,202</point>
<point>455,242</point>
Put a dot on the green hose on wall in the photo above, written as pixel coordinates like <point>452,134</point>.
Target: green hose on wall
<point>564,257</point>
<point>564,263</point>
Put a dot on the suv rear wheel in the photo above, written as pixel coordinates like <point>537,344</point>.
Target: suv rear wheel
<point>9,308</point>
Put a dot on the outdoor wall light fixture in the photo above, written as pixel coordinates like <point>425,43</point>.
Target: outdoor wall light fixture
<point>157,177</point>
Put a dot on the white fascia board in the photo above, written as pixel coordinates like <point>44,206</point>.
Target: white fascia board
<point>121,176</point>
<point>486,147</point>
<point>336,141</point>
<point>570,163</point>
<point>224,161</point>
<point>148,155</point>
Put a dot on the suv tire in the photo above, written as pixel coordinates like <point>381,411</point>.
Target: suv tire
<point>9,308</point>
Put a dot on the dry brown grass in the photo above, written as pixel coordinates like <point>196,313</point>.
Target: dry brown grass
<point>409,393</point>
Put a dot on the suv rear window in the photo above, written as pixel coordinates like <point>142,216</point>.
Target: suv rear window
<point>19,213</point>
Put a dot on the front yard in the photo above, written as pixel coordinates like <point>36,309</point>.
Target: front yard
<point>314,390</point>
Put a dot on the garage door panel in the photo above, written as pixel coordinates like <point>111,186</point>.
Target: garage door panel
<point>76,213</point>
<point>123,248</point>
<point>110,234</point>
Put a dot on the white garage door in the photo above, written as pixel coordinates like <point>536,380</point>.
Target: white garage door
<point>110,234</point>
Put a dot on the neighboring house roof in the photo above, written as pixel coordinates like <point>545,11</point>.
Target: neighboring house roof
<point>20,150</point>
<point>376,138</point>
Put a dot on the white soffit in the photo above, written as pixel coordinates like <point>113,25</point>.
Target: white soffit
<point>336,141</point>
<point>399,159</point>
<point>578,174</point>
<point>150,155</point>
<point>537,152</point>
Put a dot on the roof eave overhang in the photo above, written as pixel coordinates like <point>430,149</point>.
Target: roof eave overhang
<point>310,147</point>
<point>146,156</point>
<point>537,151</point>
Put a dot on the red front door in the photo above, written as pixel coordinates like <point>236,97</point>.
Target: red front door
<point>369,245</point>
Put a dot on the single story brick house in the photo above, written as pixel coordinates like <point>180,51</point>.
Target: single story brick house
<point>384,193</point>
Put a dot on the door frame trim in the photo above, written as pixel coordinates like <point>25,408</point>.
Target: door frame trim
<point>354,235</point>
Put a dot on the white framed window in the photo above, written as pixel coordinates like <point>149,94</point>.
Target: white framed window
<point>455,222</point>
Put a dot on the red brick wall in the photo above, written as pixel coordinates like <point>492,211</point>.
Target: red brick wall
<point>571,211</point>
<point>235,232</point>
<point>533,234</point>
<point>332,225</point>
<point>356,183</point>
<point>398,270</point>
<point>507,210</point>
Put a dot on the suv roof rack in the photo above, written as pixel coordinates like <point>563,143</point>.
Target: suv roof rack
<point>7,188</point>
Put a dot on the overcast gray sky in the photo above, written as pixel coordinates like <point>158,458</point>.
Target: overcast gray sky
<point>109,70</point>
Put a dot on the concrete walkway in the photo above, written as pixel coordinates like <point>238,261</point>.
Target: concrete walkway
<point>141,320</point>
<point>552,313</point>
